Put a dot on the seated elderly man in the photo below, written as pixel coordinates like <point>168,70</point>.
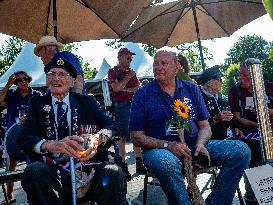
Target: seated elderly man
<point>51,135</point>
<point>220,121</point>
<point>163,153</point>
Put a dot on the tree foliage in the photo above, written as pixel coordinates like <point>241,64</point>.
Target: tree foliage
<point>268,64</point>
<point>13,47</point>
<point>247,47</point>
<point>231,78</point>
<point>192,53</point>
<point>8,52</point>
<point>89,73</point>
<point>250,46</point>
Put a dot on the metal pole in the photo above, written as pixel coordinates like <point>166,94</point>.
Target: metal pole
<point>73,181</point>
<point>55,19</point>
<point>198,35</point>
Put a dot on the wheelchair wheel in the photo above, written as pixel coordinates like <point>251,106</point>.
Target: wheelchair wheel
<point>12,134</point>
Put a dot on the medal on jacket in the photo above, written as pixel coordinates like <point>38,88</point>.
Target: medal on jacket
<point>75,119</point>
<point>49,132</point>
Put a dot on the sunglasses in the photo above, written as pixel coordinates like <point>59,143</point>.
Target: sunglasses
<point>19,80</point>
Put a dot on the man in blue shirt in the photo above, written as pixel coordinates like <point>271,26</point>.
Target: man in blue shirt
<point>152,108</point>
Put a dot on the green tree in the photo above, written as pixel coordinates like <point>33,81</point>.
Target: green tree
<point>231,78</point>
<point>89,73</point>
<point>250,46</point>
<point>268,64</point>
<point>8,52</point>
<point>191,52</point>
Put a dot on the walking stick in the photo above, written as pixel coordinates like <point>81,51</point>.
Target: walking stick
<point>73,181</point>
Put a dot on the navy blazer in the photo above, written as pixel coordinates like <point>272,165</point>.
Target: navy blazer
<point>37,126</point>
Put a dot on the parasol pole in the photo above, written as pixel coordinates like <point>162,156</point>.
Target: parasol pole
<point>198,35</point>
<point>72,165</point>
<point>55,19</point>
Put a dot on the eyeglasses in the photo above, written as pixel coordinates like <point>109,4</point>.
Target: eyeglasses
<point>19,80</point>
<point>59,75</point>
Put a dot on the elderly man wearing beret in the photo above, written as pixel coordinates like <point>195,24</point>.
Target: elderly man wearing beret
<point>51,135</point>
<point>220,121</point>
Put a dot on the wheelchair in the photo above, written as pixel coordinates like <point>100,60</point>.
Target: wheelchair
<point>11,152</point>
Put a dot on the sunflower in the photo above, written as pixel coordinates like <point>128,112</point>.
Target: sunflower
<point>181,108</point>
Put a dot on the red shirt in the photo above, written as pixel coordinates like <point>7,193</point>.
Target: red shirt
<point>238,101</point>
<point>116,74</point>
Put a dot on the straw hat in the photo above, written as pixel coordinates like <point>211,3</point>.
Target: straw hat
<point>46,41</point>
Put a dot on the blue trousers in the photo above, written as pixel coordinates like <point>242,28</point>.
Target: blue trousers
<point>232,155</point>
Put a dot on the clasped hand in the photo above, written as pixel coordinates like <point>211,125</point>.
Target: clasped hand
<point>181,150</point>
<point>224,116</point>
<point>73,146</point>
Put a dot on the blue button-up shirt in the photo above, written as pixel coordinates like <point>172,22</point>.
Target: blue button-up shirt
<point>16,102</point>
<point>152,108</point>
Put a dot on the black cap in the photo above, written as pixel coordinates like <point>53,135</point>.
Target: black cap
<point>212,73</point>
<point>61,63</point>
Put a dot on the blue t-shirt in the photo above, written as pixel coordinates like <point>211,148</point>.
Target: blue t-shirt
<point>152,108</point>
<point>16,102</point>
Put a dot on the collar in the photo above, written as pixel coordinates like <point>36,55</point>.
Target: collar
<point>30,90</point>
<point>65,100</point>
<point>209,94</point>
<point>157,88</point>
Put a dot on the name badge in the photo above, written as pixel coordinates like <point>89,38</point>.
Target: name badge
<point>249,103</point>
<point>171,130</point>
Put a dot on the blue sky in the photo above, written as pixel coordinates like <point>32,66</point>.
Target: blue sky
<point>94,51</point>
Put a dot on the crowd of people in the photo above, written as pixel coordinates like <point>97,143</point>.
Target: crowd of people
<point>55,127</point>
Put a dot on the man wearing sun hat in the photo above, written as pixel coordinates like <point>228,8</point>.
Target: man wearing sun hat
<point>124,83</point>
<point>49,48</point>
<point>51,135</point>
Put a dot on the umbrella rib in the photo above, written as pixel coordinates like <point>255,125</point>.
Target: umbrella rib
<point>254,2</point>
<point>178,19</point>
<point>85,5</point>
<point>209,14</point>
<point>161,14</point>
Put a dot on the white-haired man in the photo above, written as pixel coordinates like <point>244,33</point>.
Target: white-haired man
<point>163,153</point>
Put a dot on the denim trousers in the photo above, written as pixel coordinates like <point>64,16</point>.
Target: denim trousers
<point>232,156</point>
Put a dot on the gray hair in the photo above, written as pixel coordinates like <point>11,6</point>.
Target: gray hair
<point>167,49</point>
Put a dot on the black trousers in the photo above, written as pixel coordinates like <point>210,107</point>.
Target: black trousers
<point>47,185</point>
<point>256,152</point>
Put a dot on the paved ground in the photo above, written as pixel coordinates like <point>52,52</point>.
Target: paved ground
<point>135,187</point>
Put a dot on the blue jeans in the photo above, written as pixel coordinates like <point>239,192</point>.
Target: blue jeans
<point>232,156</point>
<point>122,110</point>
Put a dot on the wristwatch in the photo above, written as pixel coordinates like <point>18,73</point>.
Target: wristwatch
<point>165,145</point>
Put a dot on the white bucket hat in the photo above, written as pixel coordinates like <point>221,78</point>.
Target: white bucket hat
<point>46,41</point>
